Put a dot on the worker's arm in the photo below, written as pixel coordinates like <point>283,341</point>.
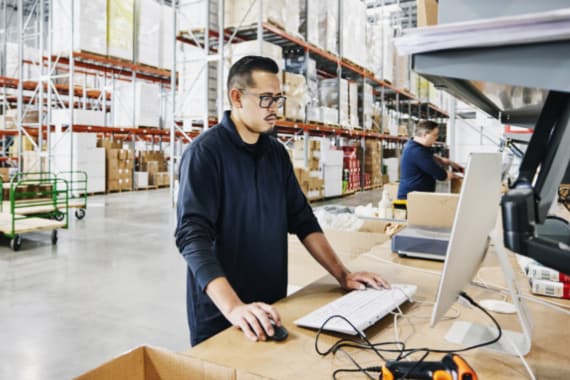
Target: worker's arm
<point>319,247</point>
<point>447,162</point>
<point>253,319</point>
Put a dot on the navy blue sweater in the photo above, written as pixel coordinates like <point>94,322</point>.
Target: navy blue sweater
<point>418,170</point>
<point>235,206</point>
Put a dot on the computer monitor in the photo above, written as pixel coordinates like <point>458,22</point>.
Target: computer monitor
<point>474,223</point>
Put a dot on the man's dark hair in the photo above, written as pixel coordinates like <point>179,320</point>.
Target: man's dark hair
<point>240,72</point>
<point>425,126</point>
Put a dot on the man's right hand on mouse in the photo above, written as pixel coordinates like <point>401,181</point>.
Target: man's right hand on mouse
<point>254,319</point>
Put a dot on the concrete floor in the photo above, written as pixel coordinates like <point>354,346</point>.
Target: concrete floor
<point>114,281</point>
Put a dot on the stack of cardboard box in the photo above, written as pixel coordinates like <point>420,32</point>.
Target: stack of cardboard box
<point>154,163</point>
<point>295,89</point>
<point>309,177</point>
<point>372,163</point>
<point>120,166</point>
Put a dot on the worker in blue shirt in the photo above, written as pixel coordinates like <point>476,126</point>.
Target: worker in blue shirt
<point>419,167</point>
<point>238,199</point>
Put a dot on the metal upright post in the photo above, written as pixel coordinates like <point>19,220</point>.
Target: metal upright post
<point>20,94</point>
<point>340,49</point>
<point>173,105</point>
<point>207,66</point>
<point>50,71</point>
<point>41,84</point>
<point>221,61</point>
<point>451,133</point>
<point>105,99</point>
<point>71,104</point>
<point>3,68</point>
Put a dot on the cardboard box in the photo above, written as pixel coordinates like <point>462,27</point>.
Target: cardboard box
<point>456,184</point>
<point>5,174</point>
<point>113,184</point>
<point>431,209</point>
<point>427,12</point>
<point>151,363</point>
<point>152,167</point>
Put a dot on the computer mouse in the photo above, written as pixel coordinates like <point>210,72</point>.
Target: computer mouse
<point>280,333</point>
<point>498,306</point>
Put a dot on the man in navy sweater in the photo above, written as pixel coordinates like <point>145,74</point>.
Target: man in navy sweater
<point>238,199</point>
<point>419,167</point>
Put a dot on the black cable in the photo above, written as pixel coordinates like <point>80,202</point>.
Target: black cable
<point>351,370</point>
<point>403,351</point>
<point>332,348</point>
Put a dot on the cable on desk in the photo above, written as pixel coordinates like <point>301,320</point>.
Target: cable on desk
<point>403,352</point>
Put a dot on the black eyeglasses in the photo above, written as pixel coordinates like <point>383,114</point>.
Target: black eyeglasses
<point>266,101</point>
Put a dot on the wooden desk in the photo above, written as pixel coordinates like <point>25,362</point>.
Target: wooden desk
<point>295,358</point>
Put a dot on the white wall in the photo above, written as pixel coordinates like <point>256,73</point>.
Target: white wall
<point>481,134</point>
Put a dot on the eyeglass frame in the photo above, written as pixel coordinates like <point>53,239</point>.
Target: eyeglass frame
<point>274,99</point>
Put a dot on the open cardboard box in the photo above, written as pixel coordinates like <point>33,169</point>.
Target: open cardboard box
<point>151,363</point>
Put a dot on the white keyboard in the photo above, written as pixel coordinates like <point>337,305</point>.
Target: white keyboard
<point>362,308</point>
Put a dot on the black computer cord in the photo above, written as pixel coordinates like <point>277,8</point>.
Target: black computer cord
<point>402,352</point>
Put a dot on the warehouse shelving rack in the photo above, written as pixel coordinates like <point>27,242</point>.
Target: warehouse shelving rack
<point>43,94</point>
<point>329,64</point>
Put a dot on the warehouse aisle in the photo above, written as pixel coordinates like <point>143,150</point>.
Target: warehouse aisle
<point>114,281</point>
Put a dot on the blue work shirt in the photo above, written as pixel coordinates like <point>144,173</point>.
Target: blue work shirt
<point>418,170</point>
<point>236,204</point>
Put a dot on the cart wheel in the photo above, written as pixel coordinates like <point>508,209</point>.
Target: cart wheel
<point>59,216</point>
<point>16,242</point>
<point>80,213</point>
<point>54,237</point>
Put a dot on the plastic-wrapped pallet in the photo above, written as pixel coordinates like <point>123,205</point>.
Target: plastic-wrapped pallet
<point>144,102</point>
<point>354,35</point>
<point>89,24</point>
<point>12,64</point>
<point>423,89</point>
<point>295,88</point>
<point>354,120</point>
<point>298,65</point>
<point>309,11</point>
<point>329,115</point>
<point>388,51</point>
<point>414,83</point>
<point>166,46</point>
<point>374,48</point>
<point>366,101</point>
<point>328,26</point>
<point>120,28</point>
<point>401,72</point>
<point>334,97</point>
<point>147,32</point>
<point>194,78</point>
<point>192,15</point>
<point>282,13</point>
<point>87,157</point>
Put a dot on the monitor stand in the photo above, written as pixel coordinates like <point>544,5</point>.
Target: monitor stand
<point>512,343</point>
